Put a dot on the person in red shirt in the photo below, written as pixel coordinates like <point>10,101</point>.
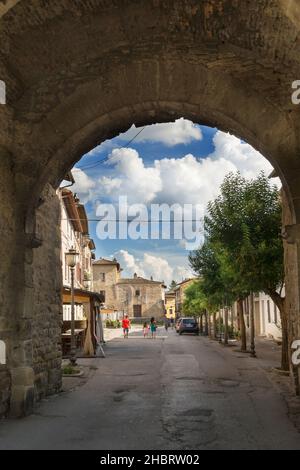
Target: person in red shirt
<point>126,326</point>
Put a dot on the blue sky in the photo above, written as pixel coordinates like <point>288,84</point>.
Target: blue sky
<point>172,163</point>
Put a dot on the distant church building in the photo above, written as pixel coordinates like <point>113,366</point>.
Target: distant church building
<point>137,297</point>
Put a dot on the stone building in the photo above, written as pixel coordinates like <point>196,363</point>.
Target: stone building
<point>141,298</point>
<point>137,297</point>
<point>106,274</point>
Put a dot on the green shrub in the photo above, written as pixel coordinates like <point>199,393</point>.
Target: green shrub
<point>112,324</point>
<point>70,370</point>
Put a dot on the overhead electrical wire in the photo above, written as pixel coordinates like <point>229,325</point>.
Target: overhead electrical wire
<point>134,220</point>
<point>100,162</point>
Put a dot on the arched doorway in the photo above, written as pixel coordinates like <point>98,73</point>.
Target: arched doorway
<point>78,73</point>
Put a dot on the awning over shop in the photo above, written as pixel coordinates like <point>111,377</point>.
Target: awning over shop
<point>81,296</point>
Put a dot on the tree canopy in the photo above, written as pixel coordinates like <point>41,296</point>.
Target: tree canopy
<point>195,302</point>
<point>245,220</point>
<point>243,249</point>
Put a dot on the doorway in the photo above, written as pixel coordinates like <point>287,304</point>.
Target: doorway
<point>137,311</point>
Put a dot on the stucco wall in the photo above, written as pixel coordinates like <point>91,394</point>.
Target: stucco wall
<point>267,322</point>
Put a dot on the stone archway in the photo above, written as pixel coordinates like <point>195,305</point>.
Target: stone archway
<point>79,72</point>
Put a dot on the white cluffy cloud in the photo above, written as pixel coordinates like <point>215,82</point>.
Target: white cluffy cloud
<point>140,183</point>
<point>240,154</point>
<point>182,131</point>
<point>172,180</point>
<point>182,180</point>
<point>150,265</point>
<point>84,186</point>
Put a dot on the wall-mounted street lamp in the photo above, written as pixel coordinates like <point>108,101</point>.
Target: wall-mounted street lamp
<point>71,260</point>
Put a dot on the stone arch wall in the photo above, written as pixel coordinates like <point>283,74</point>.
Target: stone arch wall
<point>220,62</point>
<point>79,72</point>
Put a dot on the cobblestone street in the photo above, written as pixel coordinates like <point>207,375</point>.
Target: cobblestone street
<point>170,393</point>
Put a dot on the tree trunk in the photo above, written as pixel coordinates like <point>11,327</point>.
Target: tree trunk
<point>231,318</point>
<point>226,326</point>
<point>220,326</point>
<point>209,326</point>
<point>240,303</point>
<point>201,324</point>
<point>215,325</point>
<point>205,323</point>
<point>280,303</point>
<point>252,326</point>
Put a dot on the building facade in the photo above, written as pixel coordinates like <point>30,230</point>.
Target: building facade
<point>170,304</point>
<point>266,317</point>
<point>137,297</point>
<point>141,298</point>
<point>106,275</point>
<point>180,296</point>
<point>75,234</point>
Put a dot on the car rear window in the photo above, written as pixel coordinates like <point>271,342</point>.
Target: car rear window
<point>187,320</point>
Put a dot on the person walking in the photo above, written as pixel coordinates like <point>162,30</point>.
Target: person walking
<point>126,326</point>
<point>146,330</point>
<point>153,328</point>
<point>167,324</point>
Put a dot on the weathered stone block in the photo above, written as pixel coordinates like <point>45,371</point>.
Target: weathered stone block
<point>22,401</point>
<point>5,390</point>
<point>22,376</point>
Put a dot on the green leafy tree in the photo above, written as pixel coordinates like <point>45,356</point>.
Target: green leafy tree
<point>194,300</point>
<point>219,283</point>
<point>196,304</point>
<point>244,226</point>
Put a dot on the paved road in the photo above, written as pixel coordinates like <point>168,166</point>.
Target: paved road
<point>169,393</point>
